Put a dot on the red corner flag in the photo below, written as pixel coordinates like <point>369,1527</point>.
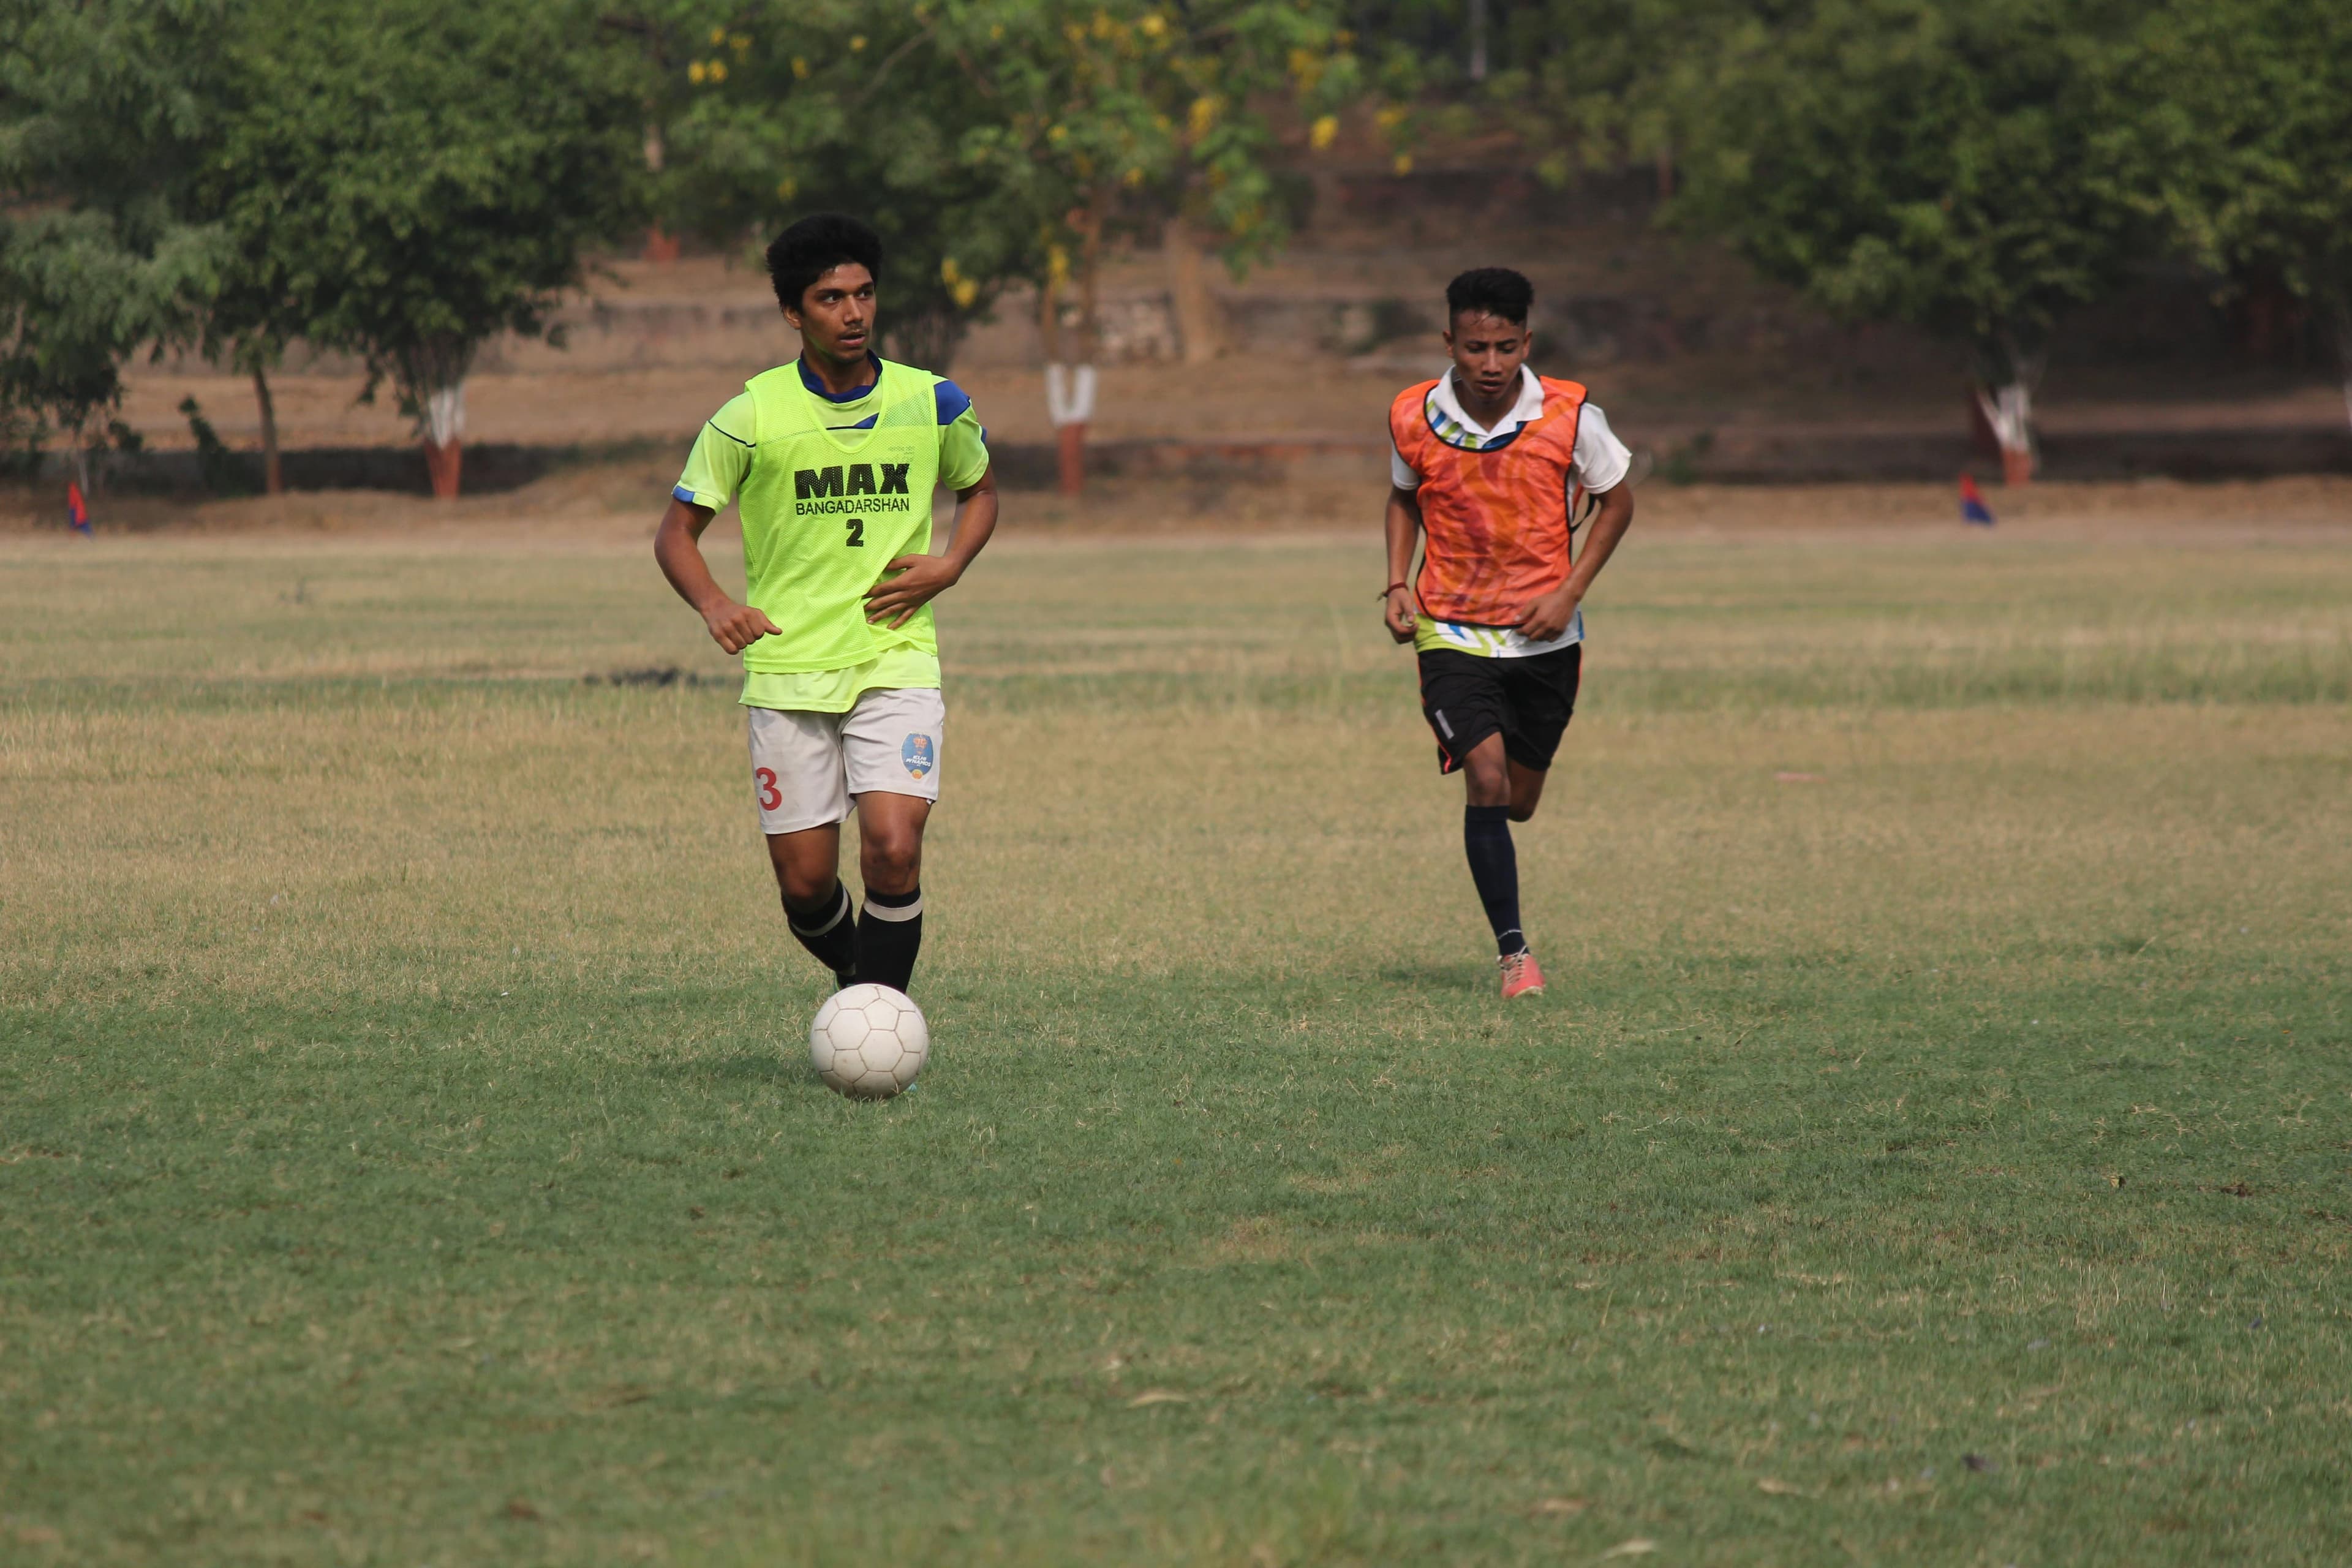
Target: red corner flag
<point>76,512</point>
<point>1973,510</point>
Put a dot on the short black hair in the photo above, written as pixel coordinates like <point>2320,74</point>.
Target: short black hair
<point>815,246</point>
<point>1495,291</point>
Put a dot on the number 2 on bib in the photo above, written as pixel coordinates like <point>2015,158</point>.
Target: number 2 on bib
<point>857,540</point>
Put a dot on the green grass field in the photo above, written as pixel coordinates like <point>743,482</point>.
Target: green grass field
<point>408,1155</point>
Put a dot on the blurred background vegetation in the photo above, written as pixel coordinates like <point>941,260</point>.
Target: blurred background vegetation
<point>405,180</point>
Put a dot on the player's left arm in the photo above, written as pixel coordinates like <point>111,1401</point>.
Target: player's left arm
<point>1549,617</point>
<point>910,581</point>
<point>1605,467</point>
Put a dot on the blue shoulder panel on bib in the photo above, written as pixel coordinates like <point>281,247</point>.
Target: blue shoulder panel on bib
<point>952,399</point>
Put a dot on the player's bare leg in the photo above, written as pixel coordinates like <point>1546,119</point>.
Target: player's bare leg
<point>1501,792</point>
<point>1493,779</point>
<point>816,906</point>
<point>891,860</point>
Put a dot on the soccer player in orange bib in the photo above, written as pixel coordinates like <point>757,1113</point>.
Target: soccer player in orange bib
<point>1490,467</point>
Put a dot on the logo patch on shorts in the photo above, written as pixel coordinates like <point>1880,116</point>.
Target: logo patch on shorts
<point>917,754</point>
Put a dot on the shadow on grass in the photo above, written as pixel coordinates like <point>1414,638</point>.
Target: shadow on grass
<point>1462,979</point>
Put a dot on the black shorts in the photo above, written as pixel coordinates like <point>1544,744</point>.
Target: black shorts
<point>1527,700</point>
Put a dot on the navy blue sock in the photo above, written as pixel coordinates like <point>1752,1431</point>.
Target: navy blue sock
<point>1494,867</point>
<point>829,931</point>
<point>889,934</point>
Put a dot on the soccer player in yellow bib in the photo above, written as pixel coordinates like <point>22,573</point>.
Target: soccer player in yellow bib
<point>834,458</point>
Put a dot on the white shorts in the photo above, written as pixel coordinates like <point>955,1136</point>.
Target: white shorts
<point>806,766</point>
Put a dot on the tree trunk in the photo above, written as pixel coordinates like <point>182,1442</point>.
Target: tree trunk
<point>2340,318</point>
<point>273,477</point>
<point>1070,386</point>
<point>445,430</point>
<point>1198,333</point>
<point>2007,374</point>
<point>925,337</point>
<point>2007,409</point>
<point>1665,164</point>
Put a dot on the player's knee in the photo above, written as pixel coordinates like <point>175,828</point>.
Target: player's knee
<point>1523,810</point>
<point>892,862</point>
<point>1488,780</point>
<point>805,887</point>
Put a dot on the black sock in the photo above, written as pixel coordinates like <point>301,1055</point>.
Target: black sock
<point>828,933</point>
<point>889,934</point>
<point>1494,867</point>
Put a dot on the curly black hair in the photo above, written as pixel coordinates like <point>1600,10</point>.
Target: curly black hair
<point>813,246</point>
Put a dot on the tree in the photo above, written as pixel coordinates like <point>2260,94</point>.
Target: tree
<point>1130,118</point>
<point>1585,84</point>
<point>993,141</point>
<point>103,108</point>
<point>410,180</point>
<point>855,105</point>
<point>2233,125</point>
<point>1924,161</point>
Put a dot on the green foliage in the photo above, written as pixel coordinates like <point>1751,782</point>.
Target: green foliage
<point>408,180</point>
<point>1919,161</point>
<point>780,109</point>
<point>102,110</point>
<point>1591,84</point>
<point>2233,125</point>
<point>1171,104</point>
<point>990,140</point>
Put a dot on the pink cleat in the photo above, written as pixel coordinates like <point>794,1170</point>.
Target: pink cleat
<point>1521,977</point>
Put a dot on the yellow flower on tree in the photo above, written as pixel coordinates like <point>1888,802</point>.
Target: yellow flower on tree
<point>716,70</point>
<point>800,69</point>
<point>1323,132</point>
<point>858,44</point>
<point>695,73</point>
<point>1403,164</point>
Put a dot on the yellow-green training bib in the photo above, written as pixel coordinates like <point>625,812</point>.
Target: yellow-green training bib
<point>824,510</point>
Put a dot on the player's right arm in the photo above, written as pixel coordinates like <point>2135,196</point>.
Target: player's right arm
<point>1397,608</point>
<point>678,546</point>
<point>721,455</point>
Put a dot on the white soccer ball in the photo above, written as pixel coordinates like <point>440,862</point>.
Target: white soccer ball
<point>869,1042</point>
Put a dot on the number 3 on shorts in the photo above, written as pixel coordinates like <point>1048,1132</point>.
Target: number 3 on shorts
<point>770,797</point>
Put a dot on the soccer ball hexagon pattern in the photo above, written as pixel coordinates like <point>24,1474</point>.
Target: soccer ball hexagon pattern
<point>869,1042</point>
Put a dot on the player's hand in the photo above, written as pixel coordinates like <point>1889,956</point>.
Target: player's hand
<point>735,626</point>
<point>919,579</point>
<point>1549,617</point>
<point>1397,613</point>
